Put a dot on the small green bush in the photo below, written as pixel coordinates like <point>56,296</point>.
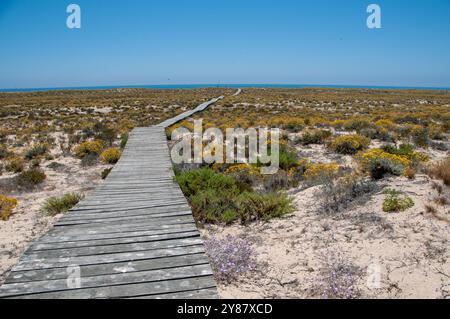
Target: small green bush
<point>396,201</point>
<point>218,198</point>
<point>314,137</point>
<point>254,206</point>
<point>194,181</point>
<point>4,153</point>
<point>420,136</point>
<point>36,151</point>
<point>15,164</point>
<point>31,178</point>
<point>288,158</point>
<point>89,160</point>
<point>106,172</point>
<point>123,140</point>
<point>58,205</point>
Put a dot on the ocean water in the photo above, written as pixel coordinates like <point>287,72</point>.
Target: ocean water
<point>196,86</point>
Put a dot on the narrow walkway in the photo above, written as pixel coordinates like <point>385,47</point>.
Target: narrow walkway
<point>133,237</point>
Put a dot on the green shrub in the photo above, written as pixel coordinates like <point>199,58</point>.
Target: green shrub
<point>31,178</point>
<point>395,201</point>
<point>314,137</point>
<point>106,172</point>
<point>15,164</point>
<point>123,140</point>
<point>340,193</point>
<point>218,198</point>
<point>403,149</point>
<point>58,205</point>
<point>106,134</point>
<point>357,125</point>
<point>36,151</point>
<point>287,158</point>
<point>254,206</point>
<point>349,144</point>
<point>4,153</point>
<point>195,181</point>
<point>420,136</point>
<point>89,160</point>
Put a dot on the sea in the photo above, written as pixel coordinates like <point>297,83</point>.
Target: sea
<point>197,86</point>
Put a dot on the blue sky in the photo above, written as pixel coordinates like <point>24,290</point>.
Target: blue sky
<point>139,42</point>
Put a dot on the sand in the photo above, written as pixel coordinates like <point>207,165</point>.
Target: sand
<point>409,249</point>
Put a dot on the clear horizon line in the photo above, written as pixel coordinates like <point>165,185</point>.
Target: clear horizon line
<point>223,85</point>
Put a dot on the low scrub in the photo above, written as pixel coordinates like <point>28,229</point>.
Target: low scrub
<point>7,205</point>
<point>36,151</point>
<point>106,172</point>
<point>440,170</point>
<point>123,140</point>
<point>111,155</point>
<point>407,151</point>
<point>287,158</point>
<point>253,206</point>
<point>349,144</point>
<point>15,164</point>
<point>4,153</point>
<point>89,147</point>
<point>341,193</point>
<point>31,178</point>
<point>321,172</point>
<point>220,198</point>
<point>378,163</point>
<point>58,205</point>
<point>396,201</point>
<point>314,137</point>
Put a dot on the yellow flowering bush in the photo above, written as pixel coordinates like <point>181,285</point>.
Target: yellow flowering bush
<point>7,204</point>
<point>384,123</point>
<point>110,155</point>
<point>321,171</point>
<point>89,147</point>
<point>243,168</point>
<point>377,163</point>
<point>349,144</point>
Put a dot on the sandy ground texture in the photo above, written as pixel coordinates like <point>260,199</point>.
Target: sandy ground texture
<point>392,255</point>
<point>27,222</point>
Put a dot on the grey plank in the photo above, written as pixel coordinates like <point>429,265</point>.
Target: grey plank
<point>43,263</point>
<point>133,290</point>
<point>146,276</point>
<point>109,269</point>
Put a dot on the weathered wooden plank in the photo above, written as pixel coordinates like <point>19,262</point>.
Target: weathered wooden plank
<point>43,263</point>
<point>113,241</point>
<point>63,253</point>
<point>62,234</point>
<point>132,290</point>
<point>146,276</point>
<point>109,269</point>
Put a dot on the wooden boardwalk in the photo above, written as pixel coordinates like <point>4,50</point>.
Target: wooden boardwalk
<point>132,237</point>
